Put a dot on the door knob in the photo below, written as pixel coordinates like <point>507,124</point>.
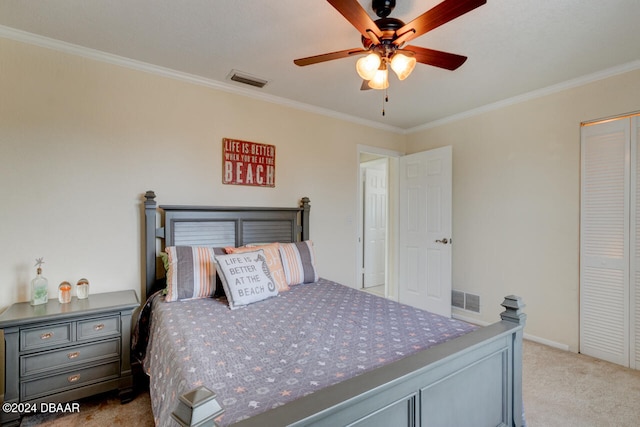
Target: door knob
<point>443,241</point>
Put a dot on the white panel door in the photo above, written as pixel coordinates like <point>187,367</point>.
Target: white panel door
<point>375,223</point>
<point>425,230</point>
<point>604,241</point>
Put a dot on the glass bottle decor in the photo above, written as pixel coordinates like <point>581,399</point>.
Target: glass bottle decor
<point>64,293</point>
<point>39,286</point>
<point>82,288</point>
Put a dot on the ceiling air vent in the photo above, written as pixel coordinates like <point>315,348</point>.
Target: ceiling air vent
<point>240,77</point>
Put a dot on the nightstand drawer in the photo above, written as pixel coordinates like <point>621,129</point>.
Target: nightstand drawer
<point>68,380</point>
<point>98,328</point>
<point>45,336</point>
<point>67,357</point>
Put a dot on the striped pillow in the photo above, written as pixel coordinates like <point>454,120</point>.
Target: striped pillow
<point>298,261</point>
<point>191,273</point>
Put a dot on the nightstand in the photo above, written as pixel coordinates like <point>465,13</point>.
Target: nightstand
<point>62,352</point>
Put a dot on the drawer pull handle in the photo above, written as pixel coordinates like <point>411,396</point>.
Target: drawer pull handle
<point>73,355</point>
<point>73,378</point>
<point>99,327</point>
<point>46,336</point>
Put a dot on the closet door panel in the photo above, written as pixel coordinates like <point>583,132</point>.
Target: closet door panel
<point>604,239</point>
<point>634,296</point>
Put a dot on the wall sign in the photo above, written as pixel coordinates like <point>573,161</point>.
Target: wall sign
<point>248,163</point>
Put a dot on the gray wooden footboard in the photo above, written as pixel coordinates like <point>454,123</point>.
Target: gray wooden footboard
<point>474,380</point>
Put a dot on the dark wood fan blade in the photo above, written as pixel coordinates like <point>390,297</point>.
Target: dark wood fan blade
<point>365,85</point>
<point>328,56</point>
<point>448,61</point>
<point>357,16</point>
<point>446,11</point>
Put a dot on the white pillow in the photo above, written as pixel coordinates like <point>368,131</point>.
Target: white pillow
<point>246,278</point>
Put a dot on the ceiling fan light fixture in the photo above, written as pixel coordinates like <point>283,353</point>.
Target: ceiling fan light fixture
<point>403,64</point>
<point>381,79</point>
<point>367,66</point>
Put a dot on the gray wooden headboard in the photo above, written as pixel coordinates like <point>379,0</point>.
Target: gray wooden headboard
<point>217,226</point>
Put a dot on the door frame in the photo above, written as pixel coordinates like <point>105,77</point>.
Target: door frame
<point>392,217</point>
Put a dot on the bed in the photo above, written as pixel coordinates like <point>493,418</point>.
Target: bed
<point>319,353</point>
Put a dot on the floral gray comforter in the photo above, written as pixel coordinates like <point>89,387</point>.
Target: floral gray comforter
<point>277,350</point>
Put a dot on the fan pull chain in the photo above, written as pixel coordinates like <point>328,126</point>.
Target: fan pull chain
<point>385,99</point>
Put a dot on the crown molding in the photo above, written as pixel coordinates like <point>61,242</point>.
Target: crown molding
<point>72,49</point>
<point>549,90</point>
<point>49,43</point>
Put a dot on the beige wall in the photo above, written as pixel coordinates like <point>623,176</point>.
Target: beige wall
<point>82,140</point>
<point>516,195</point>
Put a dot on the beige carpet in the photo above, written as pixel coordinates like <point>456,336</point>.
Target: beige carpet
<point>100,411</point>
<point>560,389</point>
<point>567,389</point>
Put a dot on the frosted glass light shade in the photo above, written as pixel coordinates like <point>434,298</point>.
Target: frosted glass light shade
<point>368,65</point>
<point>403,65</point>
<point>380,80</point>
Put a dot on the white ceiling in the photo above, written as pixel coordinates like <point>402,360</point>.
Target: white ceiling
<point>515,47</point>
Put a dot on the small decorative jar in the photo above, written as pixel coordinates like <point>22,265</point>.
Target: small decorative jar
<point>82,288</point>
<point>64,292</point>
<point>39,286</point>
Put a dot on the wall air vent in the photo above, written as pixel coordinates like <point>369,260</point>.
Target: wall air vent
<point>465,301</point>
<point>472,303</point>
<point>241,77</point>
<point>457,299</point>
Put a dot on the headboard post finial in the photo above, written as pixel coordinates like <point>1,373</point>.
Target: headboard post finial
<point>306,209</point>
<point>513,310</point>
<point>150,197</point>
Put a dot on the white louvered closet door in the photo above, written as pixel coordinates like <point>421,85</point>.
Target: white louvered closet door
<point>634,294</point>
<point>610,242</point>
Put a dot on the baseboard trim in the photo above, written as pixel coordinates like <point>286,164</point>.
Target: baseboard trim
<point>558,345</point>
<point>539,340</point>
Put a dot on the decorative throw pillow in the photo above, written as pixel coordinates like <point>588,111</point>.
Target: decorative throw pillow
<point>191,272</point>
<point>298,261</point>
<point>246,278</point>
<point>219,292</point>
<point>272,254</point>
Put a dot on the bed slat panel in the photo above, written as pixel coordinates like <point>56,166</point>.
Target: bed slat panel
<point>268,232</point>
<point>204,233</point>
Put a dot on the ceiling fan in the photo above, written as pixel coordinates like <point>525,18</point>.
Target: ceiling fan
<point>384,40</point>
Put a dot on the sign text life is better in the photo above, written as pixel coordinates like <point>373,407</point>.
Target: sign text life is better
<point>248,163</point>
